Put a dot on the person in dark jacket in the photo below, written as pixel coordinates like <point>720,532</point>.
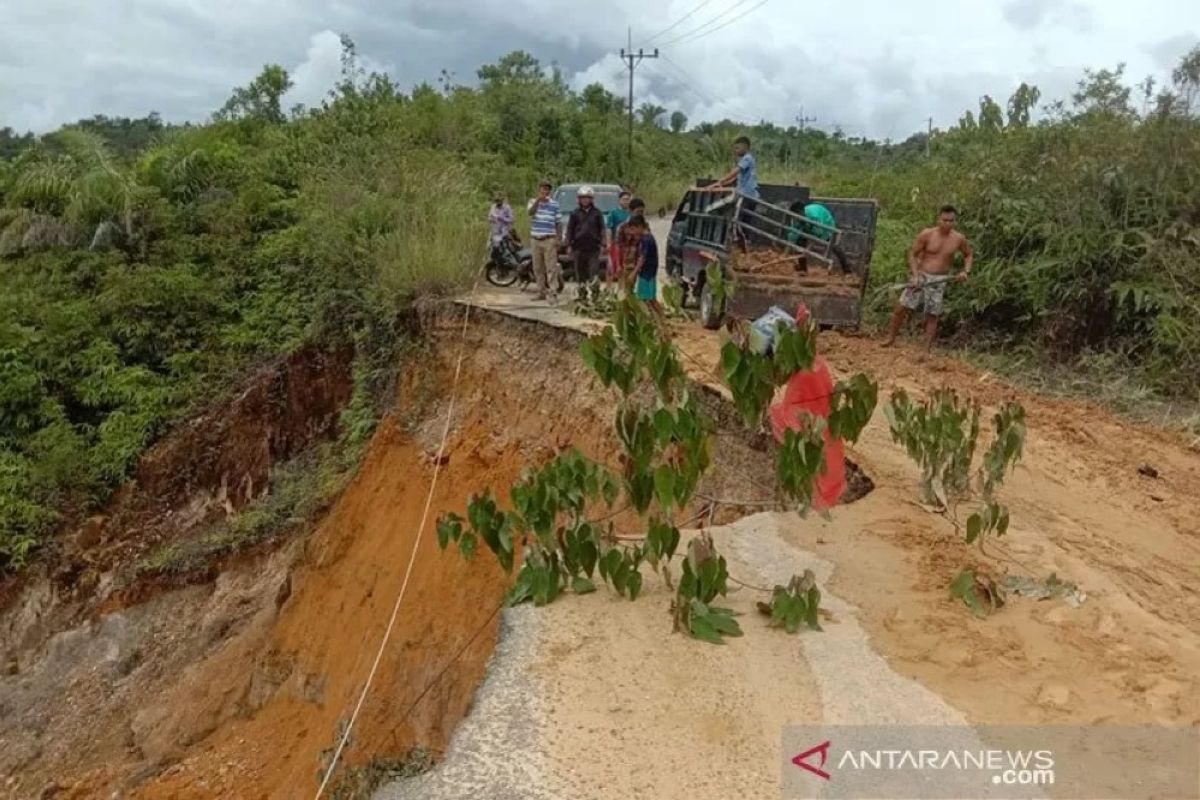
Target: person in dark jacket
<point>585,236</point>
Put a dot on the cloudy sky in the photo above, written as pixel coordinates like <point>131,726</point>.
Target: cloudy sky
<point>874,67</point>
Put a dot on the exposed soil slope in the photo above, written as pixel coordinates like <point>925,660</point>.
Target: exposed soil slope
<point>238,687</point>
<point>678,718</point>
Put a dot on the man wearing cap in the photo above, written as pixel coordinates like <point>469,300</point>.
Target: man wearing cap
<point>585,235</point>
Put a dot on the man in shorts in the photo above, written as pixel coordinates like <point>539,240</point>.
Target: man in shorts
<point>929,263</point>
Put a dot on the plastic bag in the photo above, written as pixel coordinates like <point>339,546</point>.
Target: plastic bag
<point>762,330</point>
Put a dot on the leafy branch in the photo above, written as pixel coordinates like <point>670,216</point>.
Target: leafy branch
<point>941,435</point>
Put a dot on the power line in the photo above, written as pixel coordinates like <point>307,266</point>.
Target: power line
<point>680,77</point>
<point>704,25</point>
<point>745,13</point>
<point>722,25</point>
<point>676,23</point>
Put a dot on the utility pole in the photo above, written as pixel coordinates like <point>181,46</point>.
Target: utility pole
<point>631,60</point>
<point>802,120</point>
<point>928,137</point>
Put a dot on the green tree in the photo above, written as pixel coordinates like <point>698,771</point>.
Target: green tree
<point>1186,77</point>
<point>1103,92</point>
<point>991,117</point>
<point>518,67</point>
<point>12,143</point>
<point>679,122</point>
<point>649,113</point>
<point>598,100</point>
<point>1021,105</point>
<point>261,99</point>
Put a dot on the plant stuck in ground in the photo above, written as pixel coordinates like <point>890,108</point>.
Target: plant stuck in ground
<point>979,592</point>
<point>705,577</point>
<point>797,603</point>
<point>596,300</point>
<point>941,435</point>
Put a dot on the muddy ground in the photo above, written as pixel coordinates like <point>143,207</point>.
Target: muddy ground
<point>236,687</point>
<point>679,722</point>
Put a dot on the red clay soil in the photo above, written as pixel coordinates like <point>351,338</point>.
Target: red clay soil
<point>257,716</point>
<point>330,628</point>
<point>777,267</point>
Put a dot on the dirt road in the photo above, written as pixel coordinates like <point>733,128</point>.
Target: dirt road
<point>593,698</point>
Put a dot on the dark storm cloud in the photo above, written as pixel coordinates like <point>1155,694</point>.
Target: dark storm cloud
<point>876,67</point>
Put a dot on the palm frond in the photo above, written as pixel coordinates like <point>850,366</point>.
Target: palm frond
<point>86,148</point>
<point>44,186</point>
<point>96,197</point>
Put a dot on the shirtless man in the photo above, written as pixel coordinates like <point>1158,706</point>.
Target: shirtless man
<point>929,264</point>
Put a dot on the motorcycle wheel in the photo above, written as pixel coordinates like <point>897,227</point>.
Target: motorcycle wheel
<point>501,274</point>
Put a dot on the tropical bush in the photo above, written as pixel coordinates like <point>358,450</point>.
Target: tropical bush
<point>145,266</point>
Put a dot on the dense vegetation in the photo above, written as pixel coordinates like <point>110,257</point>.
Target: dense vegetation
<point>144,267</point>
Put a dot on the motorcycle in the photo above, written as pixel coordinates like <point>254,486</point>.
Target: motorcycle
<point>509,263</point>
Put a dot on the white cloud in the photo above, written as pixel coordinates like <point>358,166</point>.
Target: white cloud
<point>319,71</point>
<point>322,69</point>
<point>876,67</point>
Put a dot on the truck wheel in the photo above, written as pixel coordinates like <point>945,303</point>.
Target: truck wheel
<point>711,311</point>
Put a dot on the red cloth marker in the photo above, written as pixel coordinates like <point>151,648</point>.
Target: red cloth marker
<point>810,391</point>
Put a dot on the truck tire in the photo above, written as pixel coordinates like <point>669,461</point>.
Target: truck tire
<point>711,311</point>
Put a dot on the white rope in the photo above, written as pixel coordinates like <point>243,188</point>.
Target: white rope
<point>387,635</point>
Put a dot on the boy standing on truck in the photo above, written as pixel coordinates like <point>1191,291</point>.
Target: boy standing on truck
<point>929,263</point>
<point>743,176</point>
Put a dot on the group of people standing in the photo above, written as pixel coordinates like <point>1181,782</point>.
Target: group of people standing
<point>623,234</point>
<point>633,258</point>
